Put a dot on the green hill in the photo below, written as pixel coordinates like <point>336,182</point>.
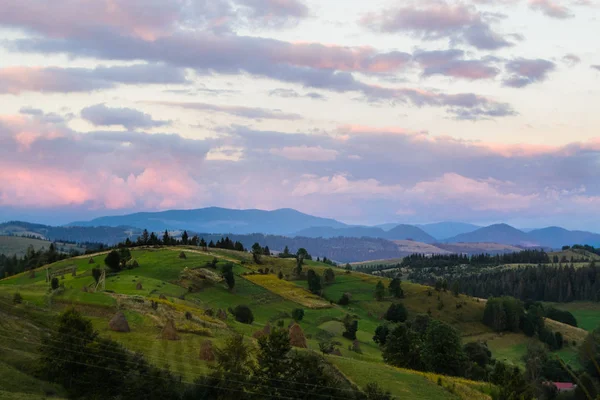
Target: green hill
<point>17,245</point>
<point>186,290</point>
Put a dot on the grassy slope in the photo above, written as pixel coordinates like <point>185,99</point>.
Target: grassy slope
<point>159,272</point>
<point>10,245</point>
<point>586,313</point>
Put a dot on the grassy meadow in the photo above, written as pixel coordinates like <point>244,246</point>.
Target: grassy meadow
<point>166,278</point>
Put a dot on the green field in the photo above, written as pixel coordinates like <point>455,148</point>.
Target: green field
<point>17,245</point>
<point>586,313</point>
<point>162,272</point>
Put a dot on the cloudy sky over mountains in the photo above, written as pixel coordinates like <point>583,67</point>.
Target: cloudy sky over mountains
<point>368,112</point>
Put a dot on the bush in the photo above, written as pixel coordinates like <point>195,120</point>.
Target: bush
<point>243,314</point>
<point>298,314</point>
<point>188,315</point>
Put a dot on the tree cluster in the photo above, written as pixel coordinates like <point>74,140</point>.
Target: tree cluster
<point>88,366</point>
<point>275,371</point>
<point>10,265</point>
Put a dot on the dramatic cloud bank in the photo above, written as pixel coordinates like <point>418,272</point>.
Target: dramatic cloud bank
<point>416,110</point>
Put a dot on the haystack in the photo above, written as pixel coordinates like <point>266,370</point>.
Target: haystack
<point>222,315</point>
<point>266,331</point>
<point>139,286</point>
<point>297,338</point>
<point>162,297</point>
<point>91,260</point>
<point>32,274</point>
<point>356,346</point>
<point>169,332</point>
<point>336,352</point>
<point>84,289</point>
<point>206,351</point>
<point>182,255</point>
<point>118,323</point>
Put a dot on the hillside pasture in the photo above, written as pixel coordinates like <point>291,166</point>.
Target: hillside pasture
<point>586,313</point>
<point>288,290</point>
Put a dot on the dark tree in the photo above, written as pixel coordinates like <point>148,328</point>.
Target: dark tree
<point>267,252</point>
<point>314,282</point>
<point>329,276</point>
<point>395,288</point>
<point>228,275</point>
<point>442,349</point>
<point>374,392</point>
<point>257,252</point>
<point>401,348</point>
<point>344,300</point>
<point>184,238</point>
<point>166,239</point>
<point>298,314</point>
<point>396,313</point>
<point>113,260</point>
<point>379,291</point>
<point>478,353</point>
<point>351,327</point>
<point>381,334</point>
<point>54,283</point>
<point>145,238</point>
<point>243,314</point>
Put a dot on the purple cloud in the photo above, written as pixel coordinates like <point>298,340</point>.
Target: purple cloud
<point>571,59</point>
<point>596,67</point>
<point>527,71</point>
<point>128,118</point>
<point>438,20</point>
<point>275,13</point>
<point>238,111</point>
<point>451,63</point>
<point>15,80</point>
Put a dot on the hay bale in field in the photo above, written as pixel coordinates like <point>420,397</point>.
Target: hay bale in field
<point>336,352</point>
<point>356,347</point>
<point>266,331</point>
<point>139,286</point>
<point>162,297</point>
<point>84,289</point>
<point>297,338</point>
<point>222,315</point>
<point>118,323</point>
<point>91,260</point>
<point>182,255</point>
<point>32,274</point>
<point>169,332</point>
<point>206,351</point>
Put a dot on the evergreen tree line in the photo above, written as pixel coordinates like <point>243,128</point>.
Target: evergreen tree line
<point>447,260</point>
<point>509,314</point>
<point>11,265</point>
<point>538,283</point>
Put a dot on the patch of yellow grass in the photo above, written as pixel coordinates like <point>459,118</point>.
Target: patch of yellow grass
<point>570,333</point>
<point>288,290</point>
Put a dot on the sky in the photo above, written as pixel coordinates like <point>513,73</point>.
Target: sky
<point>369,112</point>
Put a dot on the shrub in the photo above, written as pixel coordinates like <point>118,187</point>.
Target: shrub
<point>188,315</point>
<point>243,314</point>
<point>298,314</point>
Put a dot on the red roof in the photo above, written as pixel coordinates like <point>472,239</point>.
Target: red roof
<point>564,385</point>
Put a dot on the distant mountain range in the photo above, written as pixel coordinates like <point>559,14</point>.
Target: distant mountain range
<point>291,223</point>
<point>552,237</point>
<point>284,221</point>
